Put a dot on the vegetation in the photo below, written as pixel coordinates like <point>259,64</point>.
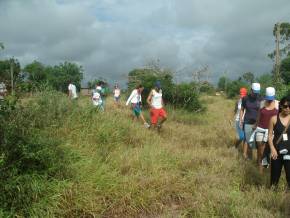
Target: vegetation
<point>81,163</point>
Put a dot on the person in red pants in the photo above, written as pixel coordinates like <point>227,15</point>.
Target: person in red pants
<point>157,111</point>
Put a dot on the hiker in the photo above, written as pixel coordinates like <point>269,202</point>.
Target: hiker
<point>239,130</point>
<point>3,91</point>
<point>72,91</point>
<point>97,98</point>
<point>249,110</point>
<point>117,94</point>
<point>279,143</point>
<point>157,107</point>
<point>269,108</point>
<point>135,100</point>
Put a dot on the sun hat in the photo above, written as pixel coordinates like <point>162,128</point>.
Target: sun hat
<point>256,87</point>
<point>270,93</point>
<point>243,92</point>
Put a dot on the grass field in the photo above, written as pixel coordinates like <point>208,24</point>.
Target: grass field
<point>189,169</point>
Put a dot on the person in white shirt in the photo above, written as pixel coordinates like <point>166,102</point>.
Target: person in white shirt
<point>156,103</point>
<point>3,91</point>
<point>117,94</point>
<point>72,91</point>
<point>135,100</point>
<point>97,98</point>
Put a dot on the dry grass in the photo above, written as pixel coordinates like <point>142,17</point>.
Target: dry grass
<point>190,169</point>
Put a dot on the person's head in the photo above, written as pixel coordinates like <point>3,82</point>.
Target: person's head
<point>255,89</point>
<point>243,92</point>
<point>270,94</point>
<point>139,88</point>
<point>116,86</point>
<point>284,105</point>
<point>157,85</point>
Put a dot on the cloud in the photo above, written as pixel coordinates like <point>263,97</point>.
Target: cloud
<point>111,37</point>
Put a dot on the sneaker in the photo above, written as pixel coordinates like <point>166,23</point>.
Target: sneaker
<point>283,151</point>
<point>147,125</point>
<point>265,162</point>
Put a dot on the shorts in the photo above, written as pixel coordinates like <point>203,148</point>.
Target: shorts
<point>248,129</point>
<point>117,98</point>
<point>260,136</point>
<point>156,113</point>
<point>240,131</point>
<point>136,109</point>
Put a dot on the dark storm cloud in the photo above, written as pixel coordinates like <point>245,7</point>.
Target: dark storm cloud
<point>111,37</point>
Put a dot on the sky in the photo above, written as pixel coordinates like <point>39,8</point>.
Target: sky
<point>109,38</point>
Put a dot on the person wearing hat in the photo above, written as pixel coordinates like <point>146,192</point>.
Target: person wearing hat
<point>269,108</point>
<point>249,111</point>
<point>157,107</point>
<point>239,130</point>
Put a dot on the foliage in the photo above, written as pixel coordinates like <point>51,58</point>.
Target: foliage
<point>233,88</point>
<point>222,83</point>
<point>285,70</point>
<point>248,77</point>
<point>206,87</point>
<point>177,95</point>
<point>36,72</point>
<point>29,156</point>
<point>5,72</point>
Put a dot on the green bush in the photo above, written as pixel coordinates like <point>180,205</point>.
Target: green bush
<point>29,156</point>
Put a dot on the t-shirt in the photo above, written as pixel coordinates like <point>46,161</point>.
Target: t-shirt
<point>134,98</point>
<point>156,99</point>
<point>117,93</point>
<point>96,97</point>
<point>238,109</point>
<point>2,90</point>
<point>252,106</point>
<point>73,89</point>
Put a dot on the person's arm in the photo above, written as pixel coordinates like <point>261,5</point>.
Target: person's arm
<point>272,122</point>
<point>69,91</point>
<point>149,98</point>
<point>130,98</point>
<point>258,119</point>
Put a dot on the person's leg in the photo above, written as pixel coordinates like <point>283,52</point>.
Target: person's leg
<point>240,135</point>
<point>287,171</point>
<point>154,117</point>
<point>247,151</point>
<point>162,113</point>
<point>260,152</point>
<point>276,167</point>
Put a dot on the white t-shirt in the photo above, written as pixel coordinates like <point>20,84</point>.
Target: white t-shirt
<point>156,99</point>
<point>73,89</point>
<point>134,98</point>
<point>117,93</point>
<point>2,90</point>
<point>96,98</point>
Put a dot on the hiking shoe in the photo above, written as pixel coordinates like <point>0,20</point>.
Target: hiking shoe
<point>147,125</point>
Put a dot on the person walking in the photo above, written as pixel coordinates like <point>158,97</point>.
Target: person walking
<point>269,108</point>
<point>72,91</point>
<point>117,94</point>
<point>238,106</point>
<point>157,111</point>
<point>249,111</point>
<point>135,100</point>
<point>97,98</point>
<point>279,142</point>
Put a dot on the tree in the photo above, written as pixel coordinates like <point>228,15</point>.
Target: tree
<point>60,75</point>
<point>248,77</point>
<point>5,71</point>
<point>222,83</point>
<point>285,70</point>
<point>36,72</point>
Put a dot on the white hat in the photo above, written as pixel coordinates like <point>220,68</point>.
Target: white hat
<point>270,93</point>
<point>256,87</point>
<point>99,88</point>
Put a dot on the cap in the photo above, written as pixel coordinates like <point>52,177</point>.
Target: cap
<point>158,84</point>
<point>243,92</point>
<point>270,93</point>
<point>256,87</point>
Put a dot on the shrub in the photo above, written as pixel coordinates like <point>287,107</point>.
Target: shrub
<point>29,156</point>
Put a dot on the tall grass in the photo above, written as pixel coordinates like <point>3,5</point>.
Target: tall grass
<point>189,169</point>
